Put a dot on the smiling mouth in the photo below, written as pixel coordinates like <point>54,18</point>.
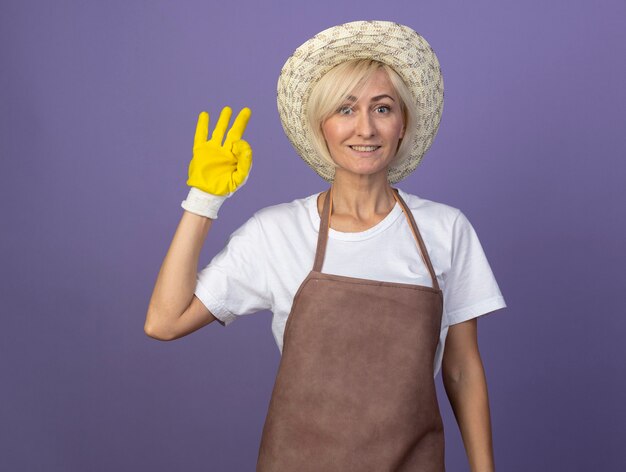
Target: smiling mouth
<point>364,148</point>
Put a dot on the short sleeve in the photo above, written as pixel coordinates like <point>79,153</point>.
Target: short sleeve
<point>234,283</point>
<point>470,288</point>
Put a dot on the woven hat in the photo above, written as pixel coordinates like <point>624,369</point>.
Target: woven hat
<point>393,44</point>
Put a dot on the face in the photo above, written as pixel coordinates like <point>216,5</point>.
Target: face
<point>364,133</point>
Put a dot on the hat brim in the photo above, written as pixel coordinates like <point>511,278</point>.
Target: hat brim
<point>398,46</point>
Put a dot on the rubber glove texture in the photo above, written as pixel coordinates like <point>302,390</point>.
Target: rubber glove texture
<point>220,166</point>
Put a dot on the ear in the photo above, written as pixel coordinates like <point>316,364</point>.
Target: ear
<point>402,131</point>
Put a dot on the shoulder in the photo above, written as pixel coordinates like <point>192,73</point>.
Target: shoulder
<point>296,213</point>
<point>430,212</point>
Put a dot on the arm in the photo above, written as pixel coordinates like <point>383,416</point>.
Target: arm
<point>174,311</point>
<point>216,171</point>
<point>464,380</point>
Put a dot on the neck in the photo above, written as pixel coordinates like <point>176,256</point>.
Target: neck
<point>362,197</point>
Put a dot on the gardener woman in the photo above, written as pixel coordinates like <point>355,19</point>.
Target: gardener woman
<point>366,282</point>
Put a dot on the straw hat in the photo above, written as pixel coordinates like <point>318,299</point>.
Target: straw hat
<point>393,44</point>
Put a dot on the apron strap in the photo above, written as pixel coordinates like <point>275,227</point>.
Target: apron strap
<point>418,237</point>
<point>322,237</point>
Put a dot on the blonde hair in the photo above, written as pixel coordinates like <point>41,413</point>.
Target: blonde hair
<point>334,88</point>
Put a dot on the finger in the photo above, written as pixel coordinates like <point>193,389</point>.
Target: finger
<point>244,162</point>
<point>239,126</point>
<point>222,124</point>
<point>202,128</point>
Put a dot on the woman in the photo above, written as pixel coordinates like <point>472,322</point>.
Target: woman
<point>363,300</point>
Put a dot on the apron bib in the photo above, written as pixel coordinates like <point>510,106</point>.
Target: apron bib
<point>355,389</point>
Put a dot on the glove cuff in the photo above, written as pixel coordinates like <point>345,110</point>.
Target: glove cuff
<point>203,203</point>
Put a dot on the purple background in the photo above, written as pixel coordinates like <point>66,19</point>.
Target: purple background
<point>99,102</point>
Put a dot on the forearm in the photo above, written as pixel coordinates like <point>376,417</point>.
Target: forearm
<point>176,281</point>
<point>470,402</point>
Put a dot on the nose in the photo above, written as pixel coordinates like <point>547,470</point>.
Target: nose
<point>364,125</point>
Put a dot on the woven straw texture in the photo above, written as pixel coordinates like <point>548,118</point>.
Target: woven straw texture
<point>396,45</point>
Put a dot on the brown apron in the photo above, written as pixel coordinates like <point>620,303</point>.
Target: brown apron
<point>355,389</point>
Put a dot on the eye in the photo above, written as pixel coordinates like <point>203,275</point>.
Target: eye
<point>383,109</point>
<point>344,110</point>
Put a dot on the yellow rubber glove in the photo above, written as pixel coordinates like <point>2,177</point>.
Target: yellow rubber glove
<point>216,168</point>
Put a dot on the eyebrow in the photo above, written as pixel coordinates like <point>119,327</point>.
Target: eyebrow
<point>352,98</point>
